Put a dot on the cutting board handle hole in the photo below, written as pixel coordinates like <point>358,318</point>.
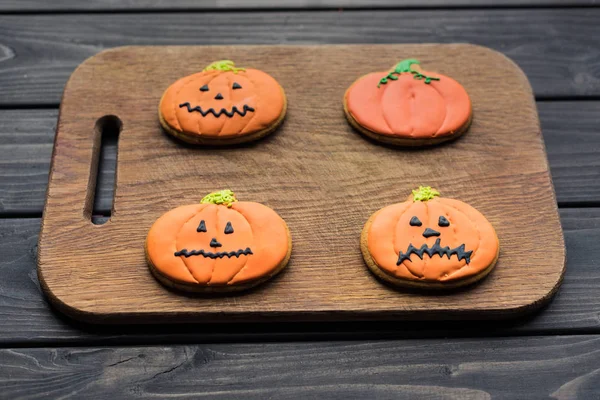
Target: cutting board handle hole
<point>104,169</point>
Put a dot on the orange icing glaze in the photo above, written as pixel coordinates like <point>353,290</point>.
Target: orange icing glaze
<point>258,90</point>
<point>408,107</point>
<point>255,226</point>
<point>391,233</point>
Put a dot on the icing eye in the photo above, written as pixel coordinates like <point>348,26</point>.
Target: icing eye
<point>204,88</point>
<point>228,228</point>
<point>414,221</point>
<point>201,227</point>
<point>443,221</point>
<point>236,85</point>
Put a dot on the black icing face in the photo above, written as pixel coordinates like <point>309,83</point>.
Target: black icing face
<point>436,248</point>
<point>442,223</point>
<point>220,97</point>
<point>215,244</point>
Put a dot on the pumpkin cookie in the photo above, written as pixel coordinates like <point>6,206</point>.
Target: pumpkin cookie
<point>429,242</point>
<point>407,106</point>
<point>222,105</point>
<point>219,245</point>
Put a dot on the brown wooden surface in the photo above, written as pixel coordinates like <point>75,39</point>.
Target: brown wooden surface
<point>320,176</point>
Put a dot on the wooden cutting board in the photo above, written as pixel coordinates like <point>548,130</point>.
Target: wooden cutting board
<point>321,176</point>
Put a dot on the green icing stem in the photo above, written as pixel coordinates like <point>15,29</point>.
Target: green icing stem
<point>424,193</point>
<point>404,66</point>
<point>225,197</point>
<point>223,65</point>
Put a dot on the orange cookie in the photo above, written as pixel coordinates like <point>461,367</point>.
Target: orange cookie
<point>429,242</point>
<point>222,105</point>
<point>219,245</point>
<point>407,106</point>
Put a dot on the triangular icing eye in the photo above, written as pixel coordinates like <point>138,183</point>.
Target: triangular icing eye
<point>204,88</point>
<point>236,85</point>
<point>201,227</point>
<point>443,221</point>
<point>414,221</point>
<point>228,228</point>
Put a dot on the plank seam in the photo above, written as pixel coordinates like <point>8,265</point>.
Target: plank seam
<point>433,8</point>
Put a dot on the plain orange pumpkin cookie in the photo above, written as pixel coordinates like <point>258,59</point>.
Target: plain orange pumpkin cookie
<point>222,105</point>
<point>429,242</point>
<point>407,106</point>
<point>219,245</point>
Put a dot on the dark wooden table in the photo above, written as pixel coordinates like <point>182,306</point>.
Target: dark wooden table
<point>555,352</point>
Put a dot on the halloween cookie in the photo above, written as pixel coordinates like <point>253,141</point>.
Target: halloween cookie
<point>218,245</point>
<point>222,105</point>
<point>429,242</point>
<point>407,106</point>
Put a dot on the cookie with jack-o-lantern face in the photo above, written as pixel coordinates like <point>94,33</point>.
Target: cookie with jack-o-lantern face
<point>223,105</point>
<point>219,245</point>
<point>430,242</point>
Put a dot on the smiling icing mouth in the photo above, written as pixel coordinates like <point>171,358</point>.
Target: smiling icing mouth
<point>435,249</point>
<point>217,114</point>
<point>210,254</point>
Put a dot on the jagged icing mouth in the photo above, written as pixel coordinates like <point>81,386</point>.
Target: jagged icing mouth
<point>210,254</point>
<point>234,110</point>
<point>436,249</point>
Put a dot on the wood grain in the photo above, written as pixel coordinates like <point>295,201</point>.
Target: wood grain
<point>519,368</point>
<point>314,162</point>
<point>573,145</point>
<point>25,149</point>
<point>146,5</point>
<point>28,320</point>
<point>569,131</point>
<point>553,46</point>
<point>26,139</point>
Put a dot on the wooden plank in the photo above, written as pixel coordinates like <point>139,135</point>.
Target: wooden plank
<point>579,299</point>
<point>573,144</point>
<point>26,140</point>
<point>39,52</point>
<point>26,137</point>
<point>315,158</point>
<point>517,368</point>
<point>146,5</point>
<point>28,320</point>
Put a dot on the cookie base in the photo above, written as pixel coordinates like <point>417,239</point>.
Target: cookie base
<point>403,141</point>
<point>196,139</point>
<point>410,283</point>
<point>200,288</point>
